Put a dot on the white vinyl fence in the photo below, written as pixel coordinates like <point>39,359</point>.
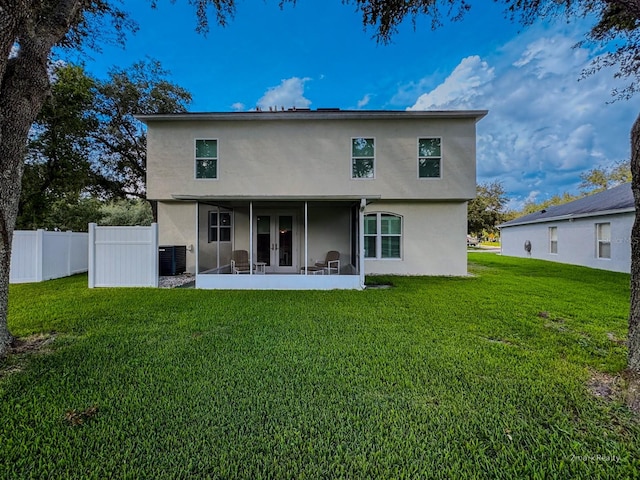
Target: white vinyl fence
<point>123,256</point>
<point>41,255</point>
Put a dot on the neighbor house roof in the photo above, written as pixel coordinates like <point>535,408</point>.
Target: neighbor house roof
<point>615,200</point>
<point>319,114</point>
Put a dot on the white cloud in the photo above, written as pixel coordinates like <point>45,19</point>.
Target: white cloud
<point>544,126</point>
<point>364,101</point>
<point>552,55</point>
<point>238,106</point>
<point>290,93</point>
<point>469,79</point>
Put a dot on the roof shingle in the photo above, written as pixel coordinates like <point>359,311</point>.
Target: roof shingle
<point>616,198</point>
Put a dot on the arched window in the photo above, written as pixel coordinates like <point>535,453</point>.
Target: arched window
<point>382,235</point>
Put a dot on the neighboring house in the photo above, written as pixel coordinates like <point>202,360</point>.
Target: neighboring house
<point>388,190</point>
<point>594,231</point>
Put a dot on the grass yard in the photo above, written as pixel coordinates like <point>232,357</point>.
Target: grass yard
<point>479,377</point>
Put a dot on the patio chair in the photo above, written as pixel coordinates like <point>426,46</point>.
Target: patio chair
<point>331,262</point>
<point>240,262</point>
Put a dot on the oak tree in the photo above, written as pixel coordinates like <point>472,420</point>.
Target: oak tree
<point>29,30</point>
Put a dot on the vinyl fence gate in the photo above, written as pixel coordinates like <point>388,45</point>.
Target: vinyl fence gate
<point>123,256</point>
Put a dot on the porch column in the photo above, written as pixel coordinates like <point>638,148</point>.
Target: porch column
<point>251,237</point>
<point>197,222</point>
<point>306,225</point>
<point>363,205</point>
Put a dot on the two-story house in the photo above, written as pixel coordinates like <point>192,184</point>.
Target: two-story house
<point>384,191</point>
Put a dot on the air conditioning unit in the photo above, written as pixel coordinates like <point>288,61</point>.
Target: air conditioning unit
<point>172,259</point>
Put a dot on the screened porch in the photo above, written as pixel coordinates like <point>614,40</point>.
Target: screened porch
<point>283,242</point>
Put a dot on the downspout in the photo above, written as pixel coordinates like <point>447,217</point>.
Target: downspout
<point>363,205</point>
<point>197,241</point>
<point>251,237</point>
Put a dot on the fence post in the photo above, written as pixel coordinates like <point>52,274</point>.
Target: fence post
<point>154,248</point>
<point>92,255</point>
<point>39,253</point>
<point>69,251</point>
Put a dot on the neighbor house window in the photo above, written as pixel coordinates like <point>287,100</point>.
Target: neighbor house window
<point>553,239</point>
<point>429,157</point>
<point>362,157</point>
<point>603,234</point>
<point>382,235</point>
<point>219,226</point>
<point>206,158</point>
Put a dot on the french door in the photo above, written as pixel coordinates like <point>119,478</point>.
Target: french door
<point>275,239</point>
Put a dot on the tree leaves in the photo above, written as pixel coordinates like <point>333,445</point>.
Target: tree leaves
<point>486,211</point>
<point>86,142</point>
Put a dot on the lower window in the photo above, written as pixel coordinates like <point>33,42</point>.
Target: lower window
<point>553,239</point>
<point>219,226</point>
<point>382,235</point>
<point>603,236</point>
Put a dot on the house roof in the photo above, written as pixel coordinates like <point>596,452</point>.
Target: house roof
<point>319,114</point>
<point>615,200</point>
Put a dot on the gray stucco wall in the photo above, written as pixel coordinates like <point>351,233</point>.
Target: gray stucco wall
<point>310,158</point>
<point>577,241</point>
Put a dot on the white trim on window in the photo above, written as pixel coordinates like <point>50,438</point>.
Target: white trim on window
<point>220,225</point>
<point>196,158</point>
<point>378,237</point>
<point>553,240</point>
<point>429,157</point>
<point>603,241</point>
<point>353,158</point>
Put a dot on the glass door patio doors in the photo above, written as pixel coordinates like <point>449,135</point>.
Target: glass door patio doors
<point>275,241</point>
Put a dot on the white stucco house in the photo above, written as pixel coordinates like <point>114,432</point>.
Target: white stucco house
<point>594,231</point>
<point>385,191</point>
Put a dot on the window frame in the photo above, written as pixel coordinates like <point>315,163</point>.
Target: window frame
<point>218,227</point>
<point>378,235</point>
<point>196,158</point>
<point>439,158</point>
<point>353,158</point>
<point>600,242</point>
<point>553,240</point>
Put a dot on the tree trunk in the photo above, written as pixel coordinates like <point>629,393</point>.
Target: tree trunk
<point>633,397</point>
<point>23,89</point>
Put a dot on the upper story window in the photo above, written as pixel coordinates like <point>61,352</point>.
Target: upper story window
<point>429,157</point>
<point>553,239</point>
<point>382,235</point>
<point>206,158</point>
<point>603,235</point>
<point>362,157</point>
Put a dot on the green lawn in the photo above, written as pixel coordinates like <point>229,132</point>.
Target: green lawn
<point>477,377</point>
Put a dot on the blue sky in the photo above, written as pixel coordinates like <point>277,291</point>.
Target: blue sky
<point>544,127</point>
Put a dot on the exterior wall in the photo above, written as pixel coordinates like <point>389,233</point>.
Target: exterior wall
<point>329,229</point>
<point>254,155</point>
<point>177,226</point>
<point>576,241</point>
<point>433,239</point>
<point>433,235</point>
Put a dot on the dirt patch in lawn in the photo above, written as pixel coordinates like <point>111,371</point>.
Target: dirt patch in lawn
<point>605,386</point>
<point>32,343</point>
<point>624,388</point>
<point>21,348</point>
